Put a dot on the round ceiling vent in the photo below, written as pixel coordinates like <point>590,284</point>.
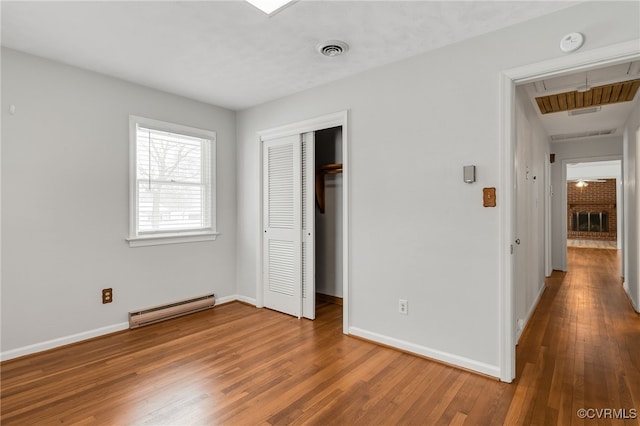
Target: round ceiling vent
<point>333,48</point>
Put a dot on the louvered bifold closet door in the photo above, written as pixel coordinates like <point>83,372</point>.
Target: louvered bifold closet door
<point>308,226</point>
<point>282,283</point>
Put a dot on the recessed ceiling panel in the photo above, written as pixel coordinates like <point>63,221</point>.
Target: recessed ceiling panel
<point>601,95</point>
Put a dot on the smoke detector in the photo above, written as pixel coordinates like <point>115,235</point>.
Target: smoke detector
<point>571,42</point>
<point>333,48</point>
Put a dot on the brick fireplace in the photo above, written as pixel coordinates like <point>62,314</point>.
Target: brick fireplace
<point>591,211</point>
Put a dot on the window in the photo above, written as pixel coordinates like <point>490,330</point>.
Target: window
<point>172,183</point>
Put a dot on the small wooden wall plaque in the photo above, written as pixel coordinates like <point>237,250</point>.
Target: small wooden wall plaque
<point>489,197</point>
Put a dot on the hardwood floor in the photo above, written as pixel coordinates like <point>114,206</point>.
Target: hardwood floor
<point>593,244</point>
<point>242,366</point>
<point>582,348</point>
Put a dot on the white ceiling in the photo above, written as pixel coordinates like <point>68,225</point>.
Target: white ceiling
<point>608,117</point>
<point>228,53</point>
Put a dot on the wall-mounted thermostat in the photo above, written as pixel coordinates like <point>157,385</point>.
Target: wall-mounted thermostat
<point>469,174</point>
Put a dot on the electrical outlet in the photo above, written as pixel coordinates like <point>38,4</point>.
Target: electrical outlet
<point>403,307</point>
<point>107,295</point>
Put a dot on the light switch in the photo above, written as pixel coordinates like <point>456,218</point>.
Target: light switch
<point>489,197</point>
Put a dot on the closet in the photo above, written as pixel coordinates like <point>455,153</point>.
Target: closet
<point>328,215</point>
<point>302,239</point>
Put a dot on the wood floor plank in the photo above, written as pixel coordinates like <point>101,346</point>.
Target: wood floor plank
<point>237,365</point>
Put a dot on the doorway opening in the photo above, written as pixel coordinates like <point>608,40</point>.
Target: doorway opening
<point>290,199</point>
<point>328,216</point>
<point>563,66</point>
<point>594,204</point>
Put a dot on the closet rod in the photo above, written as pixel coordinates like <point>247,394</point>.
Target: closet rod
<point>327,169</point>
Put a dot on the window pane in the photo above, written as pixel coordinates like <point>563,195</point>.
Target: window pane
<point>171,207</point>
<point>173,181</point>
<point>583,222</point>
<point>164,156</point>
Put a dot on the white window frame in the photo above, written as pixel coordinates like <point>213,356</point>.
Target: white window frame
<point>137,239</point>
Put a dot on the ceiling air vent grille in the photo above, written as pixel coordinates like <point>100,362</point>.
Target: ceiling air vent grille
<point>567,136</point>
<point>333,48</point>
<point>584,111</point>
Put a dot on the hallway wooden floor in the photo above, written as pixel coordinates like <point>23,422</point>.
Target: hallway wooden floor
<point>239,365</point>
<point>581,349</point>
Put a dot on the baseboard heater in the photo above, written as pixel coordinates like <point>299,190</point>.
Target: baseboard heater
<point>171,310</point>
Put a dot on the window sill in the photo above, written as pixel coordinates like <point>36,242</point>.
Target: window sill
<point>178,238</point>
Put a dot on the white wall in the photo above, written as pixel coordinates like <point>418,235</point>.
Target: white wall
<point>65,171</point>
<point>532,196</point>
<point>594,149</point>
<point>329,224</point>
<point>631,170</point>
<point>417,231</point>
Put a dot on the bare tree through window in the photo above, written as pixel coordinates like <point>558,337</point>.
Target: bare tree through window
<point>171,181</point>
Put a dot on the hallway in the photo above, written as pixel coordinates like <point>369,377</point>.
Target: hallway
<point>581,348</point>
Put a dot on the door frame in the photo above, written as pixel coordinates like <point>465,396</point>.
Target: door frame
<point>337,119</point>
<point>508,79</point>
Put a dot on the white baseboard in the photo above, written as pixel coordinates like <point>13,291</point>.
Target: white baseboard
<point>245,299</point>
<point>226,299</point>
<point>633,303</point>
<point>61,341</point>
<point>532,308</point>
<point>85,335</point>
<point>456,360</point>
<point>235,297</point>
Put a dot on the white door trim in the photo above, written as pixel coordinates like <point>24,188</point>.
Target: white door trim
<point>572,63</point>
<point>548,269</point>
<point>311,125</point>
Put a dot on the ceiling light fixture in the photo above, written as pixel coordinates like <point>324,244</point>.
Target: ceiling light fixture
<point>333,48</point>
<point>269,6</point>
<point>581,183</point>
